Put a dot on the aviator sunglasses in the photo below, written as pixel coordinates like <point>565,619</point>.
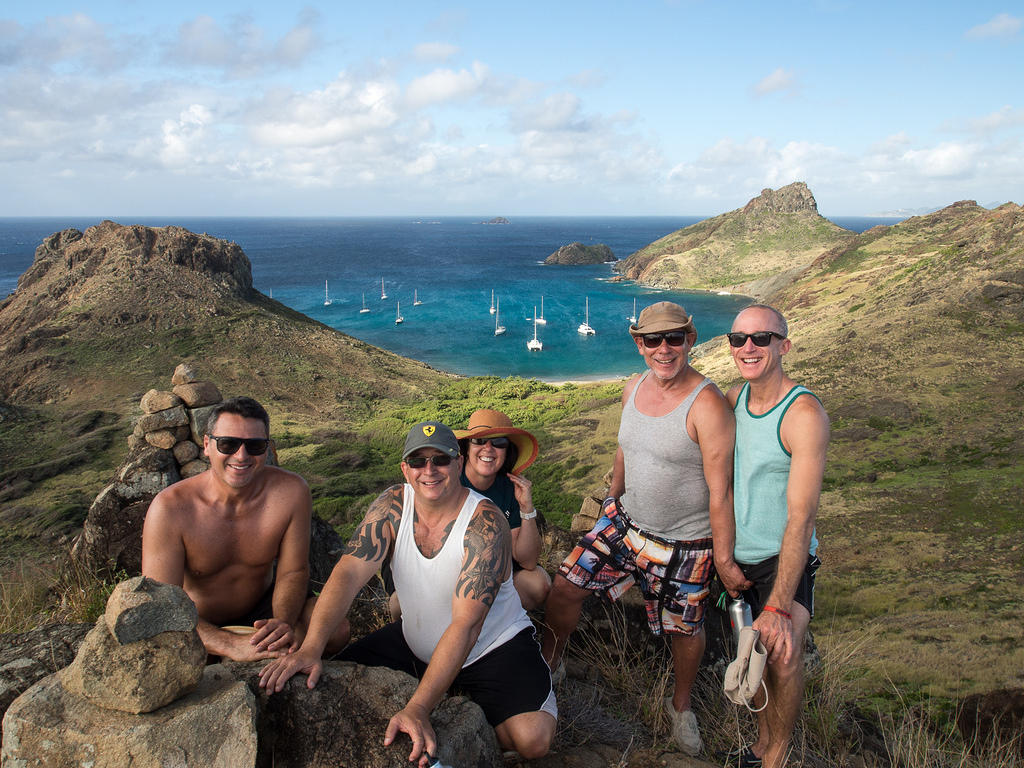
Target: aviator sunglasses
<point>497,442</point>
<point>760,338</point>
<point>674,339</point>
<point>254,446</point>
<point>419,462</point>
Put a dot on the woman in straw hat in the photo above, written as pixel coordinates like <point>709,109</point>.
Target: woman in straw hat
<point>495,454</point>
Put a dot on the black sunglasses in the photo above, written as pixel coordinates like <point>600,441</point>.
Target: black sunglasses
<point>254,446</point>
<point>497,442</point>
<point>438,460</point>
<point>674,339</point>
<point>760,338</point>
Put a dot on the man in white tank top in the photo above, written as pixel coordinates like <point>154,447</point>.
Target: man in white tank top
<point>669,497</point>
<point>463,625</point>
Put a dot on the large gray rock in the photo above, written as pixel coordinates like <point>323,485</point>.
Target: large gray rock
<point>342,722</point>
<point>27,657</point>
<point>141,608</point>
<point>215,726</point>
<point>143,653</point>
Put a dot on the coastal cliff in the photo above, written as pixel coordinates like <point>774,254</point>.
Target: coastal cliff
<point>751,250</point>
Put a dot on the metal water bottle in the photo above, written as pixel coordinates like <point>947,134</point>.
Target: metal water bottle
<point>739,617</point>
<point>435,762</point>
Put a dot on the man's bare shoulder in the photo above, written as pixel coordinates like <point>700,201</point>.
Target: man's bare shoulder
<point>806,424</point>
<point>182,493</point>
<point>630,386</point>
<point>276,477</point>
<point>733,394</point>
<point>488,520</point>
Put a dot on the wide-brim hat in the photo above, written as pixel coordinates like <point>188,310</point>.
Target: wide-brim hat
<point>488,423</point>
<point>660,317</point>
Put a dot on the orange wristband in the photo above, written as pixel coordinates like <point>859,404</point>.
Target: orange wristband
<point>773,609</point>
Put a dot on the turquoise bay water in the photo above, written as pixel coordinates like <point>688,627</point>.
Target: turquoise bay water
<point>453,264</point>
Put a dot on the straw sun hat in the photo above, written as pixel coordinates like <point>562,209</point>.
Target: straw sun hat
<point>488,423</point>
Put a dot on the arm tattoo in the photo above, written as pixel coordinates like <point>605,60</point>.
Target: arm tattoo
<point>375,534</point>
<point>488,555</point>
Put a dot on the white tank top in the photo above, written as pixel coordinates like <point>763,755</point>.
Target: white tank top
<point>425,586</point>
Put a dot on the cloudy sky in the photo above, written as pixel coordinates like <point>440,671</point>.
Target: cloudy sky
<point>125,107</point>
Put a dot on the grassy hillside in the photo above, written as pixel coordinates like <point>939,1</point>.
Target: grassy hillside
<point>913,336</point>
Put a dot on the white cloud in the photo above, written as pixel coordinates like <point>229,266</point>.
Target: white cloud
<point>1006,117</point>
<point>446,85</point>
<point>1002,25</point>
<point>947,160</point>
<point>435,51</point>
<point>779,81</point>
<point>241,48</point>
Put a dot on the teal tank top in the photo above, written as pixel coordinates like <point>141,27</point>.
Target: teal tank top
<point>760,477</point>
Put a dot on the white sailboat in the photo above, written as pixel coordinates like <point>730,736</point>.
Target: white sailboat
<point>493,309</point>
<point>540,320</point>
<point>585,329</point>
<point>415,298</point>
<point>365,308</point>
<point>632,318</point>
<point>398,313</point>
<point>535,344</point>
<point>327,296</point>
<point>498,328</point>
<point>383,295</point>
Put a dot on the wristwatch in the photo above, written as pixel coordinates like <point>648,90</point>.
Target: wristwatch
<point>528,515</point>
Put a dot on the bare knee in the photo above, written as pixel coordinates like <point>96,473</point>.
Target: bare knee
<point>533,586</point>
<point>530,734</point>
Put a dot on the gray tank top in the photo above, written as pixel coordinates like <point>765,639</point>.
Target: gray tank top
<point>666,493</point>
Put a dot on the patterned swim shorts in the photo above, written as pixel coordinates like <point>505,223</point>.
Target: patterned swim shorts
<point>673,576</point>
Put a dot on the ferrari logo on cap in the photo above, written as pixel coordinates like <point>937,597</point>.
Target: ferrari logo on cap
<point>428,430</point>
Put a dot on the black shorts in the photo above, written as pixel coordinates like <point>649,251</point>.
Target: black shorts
<point>510,680</point>
<point>763,576</point>
<point>264,608</point>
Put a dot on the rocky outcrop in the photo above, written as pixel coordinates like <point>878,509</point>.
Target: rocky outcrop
<point>498,220</point>
<point>144,658</point>
<point>754,250</point>
<point>27,657</point>
<point>576,254</point>
<point>143,653</point>
<point>216,725</point>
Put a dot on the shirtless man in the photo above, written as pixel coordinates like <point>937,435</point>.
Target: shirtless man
<point>236,539</point>
<point>669,497</point>
<point>462,622</point>
<point>782,434</point>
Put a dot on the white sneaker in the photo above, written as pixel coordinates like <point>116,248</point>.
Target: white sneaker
<point>684,729</point>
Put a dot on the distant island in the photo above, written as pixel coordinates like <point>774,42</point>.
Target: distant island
<point>576,254</point>
<point>497,220</point>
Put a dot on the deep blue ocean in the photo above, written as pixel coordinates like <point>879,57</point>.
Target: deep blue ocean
<point>452,264</point>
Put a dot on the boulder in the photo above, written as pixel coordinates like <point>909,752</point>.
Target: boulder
<point>185,373</point>
<point>162,438</point>
<point>158,400</point>
<point>27,657</point>
<point>196,394</point>
<point>215,726</point>
<point>146,473</point>
<point>143,653</point>
<point>141,608</point>
<point>184,452</point>
<point>193,468</point>
<point>197,418</point>
<point>166,419</point>
<point>342,722</point>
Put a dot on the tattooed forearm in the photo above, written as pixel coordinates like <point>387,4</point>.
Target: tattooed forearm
<point>488,556</point>
<point>374,535</point>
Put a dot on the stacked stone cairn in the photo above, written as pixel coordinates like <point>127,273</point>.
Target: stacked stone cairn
<point>137,694</point>
<point>176,420</point>
<point>164,447</point>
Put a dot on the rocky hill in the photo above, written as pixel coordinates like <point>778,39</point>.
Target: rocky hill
<point>577,253</point>
<point>751,250</point>
<point>102,315</point>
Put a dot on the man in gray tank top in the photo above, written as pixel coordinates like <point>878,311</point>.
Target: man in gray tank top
<point>670,495</point>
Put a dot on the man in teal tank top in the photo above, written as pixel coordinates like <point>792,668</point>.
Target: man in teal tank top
<point>782,434</point>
